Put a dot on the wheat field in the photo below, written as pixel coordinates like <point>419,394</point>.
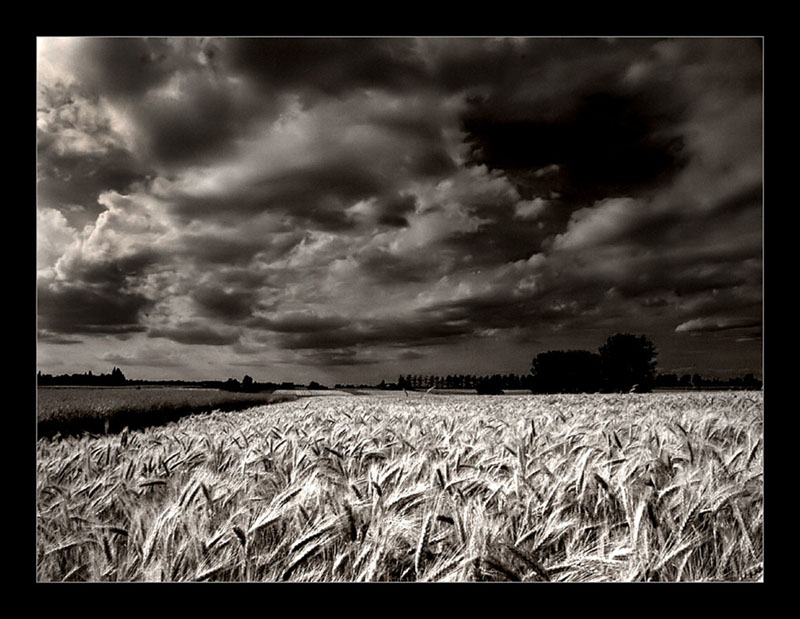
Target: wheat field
<point>578,488</point>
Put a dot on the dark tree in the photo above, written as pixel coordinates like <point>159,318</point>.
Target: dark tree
<point>231,385</point>
<point>566,371</point>
<point>628,362</point>
<point>117,377</point>
<point>751,382</point>
<point>490,385</point>
<point>667,381</point>
<point>247,383</point>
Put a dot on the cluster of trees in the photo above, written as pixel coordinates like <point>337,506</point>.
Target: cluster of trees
<point>248,385</point>
<point>114,379</point>
<point>625,362</point>
<point>671,381</point>
<point>463,381</point>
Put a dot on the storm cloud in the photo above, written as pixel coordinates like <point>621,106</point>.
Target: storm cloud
<point>339,208</point>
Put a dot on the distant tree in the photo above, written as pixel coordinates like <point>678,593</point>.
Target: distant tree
<point>566,371</point>
<point>117,377</point>
<point>751,382</point>
<point>247,383</point>
<point>231,385</point>
<point>666,381</point>
<point>490,385</point>
<point>628,362</point>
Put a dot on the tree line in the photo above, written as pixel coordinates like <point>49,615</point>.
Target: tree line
<point>113,379</point>
<point>695,381</point>
<point>462,381</point>
<point>624,363</point>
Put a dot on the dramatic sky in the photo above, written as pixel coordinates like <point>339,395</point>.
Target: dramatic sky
<point>346,210</point>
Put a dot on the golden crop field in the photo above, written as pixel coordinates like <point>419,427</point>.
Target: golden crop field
<point>633,487</point>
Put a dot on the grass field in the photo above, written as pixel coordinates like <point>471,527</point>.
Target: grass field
<point>71,410</point>
<point>634,487</point>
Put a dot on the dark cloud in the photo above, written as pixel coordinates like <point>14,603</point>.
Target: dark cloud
<point>75,179</point>
<point>108,275</point>
<point>316,196</point>
<point>183,110</point>
<point>217,249</point>
<point>228,306</point>
<point>321,193</point>
<point>418,330</point>
<point>304,322</point>
<point>606,144</point>
<point>393,220</point>
<point>194,333</point>
<point>147,358</point>
<point>230,249</point>
<point>313,194</point>
<point>123,66</point>
<point>329,66</point>
<point>511,71</point>
<point>738,211</point>
<point>334,358</point>
<point>79,153</point>
<point>393,211</point>
<point>503,309</point>
<point>748,198</point>
<point>381,265</point>
<point>500,240</point>
<point>202,122</point>
<point>83,309</point>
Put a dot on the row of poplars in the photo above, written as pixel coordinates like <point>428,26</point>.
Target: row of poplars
<point>531,488</point>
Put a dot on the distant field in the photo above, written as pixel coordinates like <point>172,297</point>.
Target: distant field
<point>100,409</point>
<point>309,392</point>
<point>562,488</point>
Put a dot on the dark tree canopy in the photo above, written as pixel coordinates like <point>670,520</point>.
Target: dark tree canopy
<point>625,363</point>
<point>566,371</point>
<point>114,379</point>
<point>490,385</point>
<point>628,362</point>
